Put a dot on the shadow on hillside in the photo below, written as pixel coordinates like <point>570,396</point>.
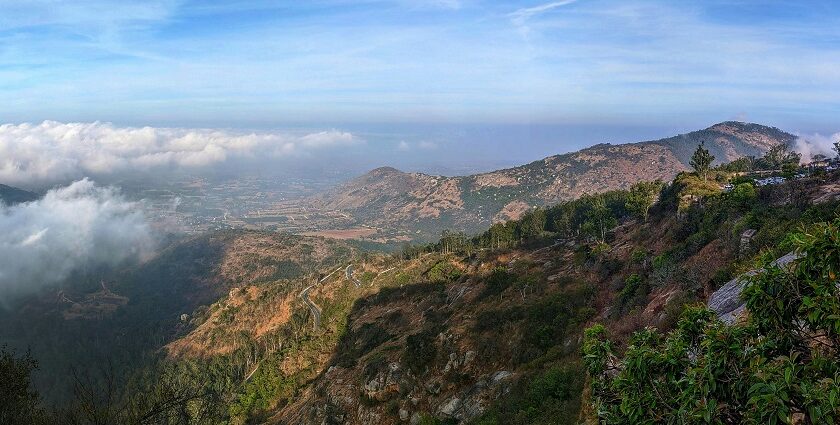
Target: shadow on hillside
<point>386,320</point>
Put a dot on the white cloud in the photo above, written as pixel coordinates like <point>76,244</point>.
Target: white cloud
<point>427,145</point>
<point>816,144</point>
<point>53,152</point>
<point>403,146</point>
<point>77,226</point>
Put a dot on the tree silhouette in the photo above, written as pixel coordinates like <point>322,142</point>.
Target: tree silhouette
<point>19,404</point>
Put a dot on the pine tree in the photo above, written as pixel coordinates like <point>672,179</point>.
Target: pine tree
<point>701,161</point>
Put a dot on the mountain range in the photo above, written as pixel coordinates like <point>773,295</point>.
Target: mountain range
<point>419,206</point>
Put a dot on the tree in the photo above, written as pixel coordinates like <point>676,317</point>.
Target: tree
<point>778,156</point>
<point>599,219</point>
<point>532,224</point>
<point>641,197</point>
<point>701,161</point>
<point>837,147</point>
<point>743,196</point>
<point>740,165</point>
<point>19,404</point>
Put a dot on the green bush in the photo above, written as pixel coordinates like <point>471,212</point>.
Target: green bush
<point>780,365</point>
<point>499,280</point>
<point>443,271</point>
<point>631,285</point>
<point>550,397</point>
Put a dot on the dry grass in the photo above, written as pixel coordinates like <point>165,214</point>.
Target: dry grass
<point>344,234</point>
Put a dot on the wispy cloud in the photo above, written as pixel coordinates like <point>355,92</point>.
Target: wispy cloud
<point>521,16</point>
<point>85,16</point>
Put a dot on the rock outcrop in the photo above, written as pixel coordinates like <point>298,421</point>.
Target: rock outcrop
<point>727,302</point>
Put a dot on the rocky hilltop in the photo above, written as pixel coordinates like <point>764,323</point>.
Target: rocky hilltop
<point>421,205</point>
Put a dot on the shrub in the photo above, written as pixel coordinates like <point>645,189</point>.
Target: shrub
<point>779,367</point>
<point>639,256</point>
<point>420,351</point>
<point>632,284</point>
<point>547,397</point>
<point>499,280</point>
<point>443,271</point>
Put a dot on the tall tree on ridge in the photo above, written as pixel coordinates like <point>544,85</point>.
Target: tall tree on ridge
<point>701,161</point>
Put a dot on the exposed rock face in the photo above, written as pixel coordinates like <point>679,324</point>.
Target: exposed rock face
<point>450,407</point>
<point>416,203</point>
<point>746,239</point>
<point>726,301</point>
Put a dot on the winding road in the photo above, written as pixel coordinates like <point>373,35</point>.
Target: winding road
<point>349,273</point>
<point>316,312</point>
<point>381,273</point>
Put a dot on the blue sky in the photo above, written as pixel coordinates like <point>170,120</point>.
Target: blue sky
<point>632,69</point>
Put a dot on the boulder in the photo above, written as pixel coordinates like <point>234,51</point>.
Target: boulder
<point>726,301</point>
<point>500,376</point>
<point>450,407</point>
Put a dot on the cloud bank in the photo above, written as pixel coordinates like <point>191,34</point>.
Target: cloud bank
<point>71,228</point>
<point>816,144</point>
<point>54,152</point>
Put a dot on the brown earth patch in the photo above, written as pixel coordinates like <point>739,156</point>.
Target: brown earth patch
<point>343,234</point>
<point>494,180</point>
<point>512,211</point>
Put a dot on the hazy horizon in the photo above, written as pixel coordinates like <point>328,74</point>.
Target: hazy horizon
<point>438,86</point>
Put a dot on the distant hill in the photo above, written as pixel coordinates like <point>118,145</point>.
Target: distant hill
<point>422,205</point>
<point>12,195</point>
